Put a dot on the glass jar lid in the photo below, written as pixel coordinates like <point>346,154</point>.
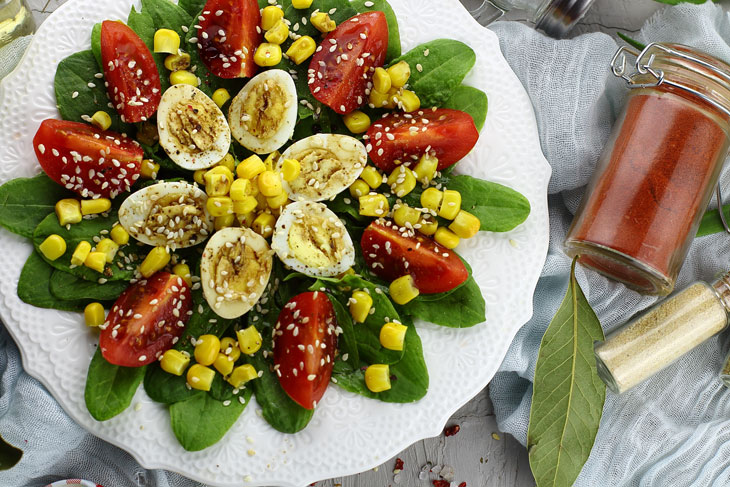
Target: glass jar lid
<point>559,16</point>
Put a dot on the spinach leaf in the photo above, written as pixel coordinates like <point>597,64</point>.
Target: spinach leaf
<point>394,47</point>
<point>192,7</point>
<point>462,308</point>
<point>110,388</point>
<point>34,288</point>
<point>9,455</point>
<point>443,65</point>
<point>343,11</point>
<point>498,207</point>
<point>470,100</point>
<point>710,223</point>
<point>347,343</point>
<point>632,42</point>
<point>96,44</point>
<point>25,202</point>
<point>68,287</point>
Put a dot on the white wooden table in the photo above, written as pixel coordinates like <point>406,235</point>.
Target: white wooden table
<point>480,455</point>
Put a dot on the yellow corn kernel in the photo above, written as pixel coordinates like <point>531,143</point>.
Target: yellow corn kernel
<point>269,184</point>
<point>155,260</point>
<point>264,224</point>
<point>241,189</point>
<point>220,97</point>
<point>174,362</point>
<point>229,348</point>
<point>249,340</point>
<point>109,247</point>
<point>101,119</point>
<point>81,253</point>
<point>207,348</point>
<point>166,40</point>
<point>224,221</point>
<point>241,375</point>
<point>381,80</point>
<point>229,162</point>
<point>450,205</point>
<point>446,237</point>
<point>99,205</point>
<point>183,271</point>
<point>427,226</point>
<point>408,101</point>
<point>374,205</point>
<point>276,202</point>
<point>119,234</point>
<point>223,364</point>
<point>219,205</point>
<point>200,377</point>
<point>402,181</point>
<point>94,314</point>
<point>399,74</point>
<point>245,206</point>
<point>403,289</point>
<point>278,34</point>
<point>217,184</point>
<point>270,16</point>
<point>357,122</point>
<point>177,62</point>
<point>96,261</point>
<point>300,4</point>
<point>393,336</point>
<point>290,169</point>
<point>404,216</point>
<point>149,169</point>
<point>431,198</point>
<point>360,305</point>
<point>53,247</point>
<point>301,49</point>
<point>359,188</point>
<point>250,167</point>
<point>271,159</point>
<point>322,22</point>
<point>377,377</point>
<point>426,168</point>
<point>246,219</point>
<point>372,176</point>
<point>267,54</point>
<point>68,210</point>
<point>465,225</point>
<point>183,77</point>
<point>220,169</point>
<point>378,99</point>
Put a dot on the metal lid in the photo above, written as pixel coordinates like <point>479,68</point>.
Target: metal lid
<point>560,16</point>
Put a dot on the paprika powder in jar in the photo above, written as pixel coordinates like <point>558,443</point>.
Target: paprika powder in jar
<point>658,170</point>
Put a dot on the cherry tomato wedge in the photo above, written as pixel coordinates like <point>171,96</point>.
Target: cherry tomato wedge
<point>341,68</point>
<point>447,134</point>
<point>391,254</point>
<point>228,37</point>
<point>304,347</point>
<point>146,320</point>
<point>86,160</point>
<point>130,71</point>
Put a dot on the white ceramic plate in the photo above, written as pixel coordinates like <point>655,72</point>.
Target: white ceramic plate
<point>348,433</point>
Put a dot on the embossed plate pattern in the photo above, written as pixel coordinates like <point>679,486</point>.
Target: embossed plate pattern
<point>348,433</point>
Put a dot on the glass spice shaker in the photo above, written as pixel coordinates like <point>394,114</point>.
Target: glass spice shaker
<point>16,20</point>
<point>659,336</point>
<point>658,170</point>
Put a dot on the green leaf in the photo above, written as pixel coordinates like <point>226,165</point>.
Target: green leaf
<point>347,343</point>
<point>634,43</point>
<point>192,7</point>
<point>9,455</point>
<point>470,100</point>
<point>444,65</point>
<point>568,396</point>
<point>96,44</point>
<point>34,287</point>
<point>25,202</point>
<point>110,388</point>
<point>68,287</point>
<point>344,11</point>
<point>710,223</point>
<point>498,207</point>
<point>394,47</point>
<point>462,308</point>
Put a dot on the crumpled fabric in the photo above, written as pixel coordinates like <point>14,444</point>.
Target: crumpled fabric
<point>11,53</point>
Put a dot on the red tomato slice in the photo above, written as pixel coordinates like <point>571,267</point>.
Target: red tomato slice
<point>447,134</point>
<point>304,347</point>
<point>341,68</point>
<point>228,37</point>
<point>391,254</point>
<point>86,160</point>
<point>130,71</point>
<point>146,320</point>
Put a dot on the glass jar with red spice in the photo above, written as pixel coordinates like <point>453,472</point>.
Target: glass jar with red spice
<point>658,170</point>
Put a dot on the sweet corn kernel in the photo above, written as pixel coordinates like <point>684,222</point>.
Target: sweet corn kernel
<point>241,375</point>
<point>229,348</point>
<point>375,205</point>
<point>217,184</point>
<point>381,80</point>
<point>94,314</point>
<point>149,169</point>
<point>245,206</point>
<point>240,189</point>
<point>450,205</point>
<point>301,49</point>
<point>166,40</point>
<point>392,99</point>
<point>300,4</point>
<point>199,176</point>
<point>264,224</point>
<point>219,205</point>
<point>246,219</point>
<point>393,336</point>
<point>96,261</point>
<point>446,237</point>
<point>271,159</point>
<point>229,162</point>
<point>290,169</point>
<point>68,210</point>
<point>372,176</point>
<point>403,290</point>
<point>250,167</point>
<point>357,122</point>
<point>223,364</point>
<point>426,168</point>
<point>155,260</point>
<point>402,181</point>
<point>109,247</point>
<point>183,271</point>
<point>360,305</point>
<point>220,169</point>
<point>431,198</point>
<point>270,16</point>
<point>378,99</point>
<point>224,221</point>
<point>377,377</point>
<point>404,216</point>
<point>359,188</point>
<point>119,234</point>
<point>92,207</point>
<point>206,349</point>
<point>399,74</point>
<point>200,377</point>
<point>278,34</point>
<point>220,97</point>
<point>177,62</point>
<point>408,101</point>
<point>101,119</point>
<point>80,253</point>
<point>465,225</point>
<point>53,247</point>
<point>276,202</point>
<point>261,203</point>
<point>269,184</point>
<point>322,22</point>
<point>428,226</point>
<point>267,54</point>
<point>183,77</point>
<point>249,340</point>
<point>174,362</point>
